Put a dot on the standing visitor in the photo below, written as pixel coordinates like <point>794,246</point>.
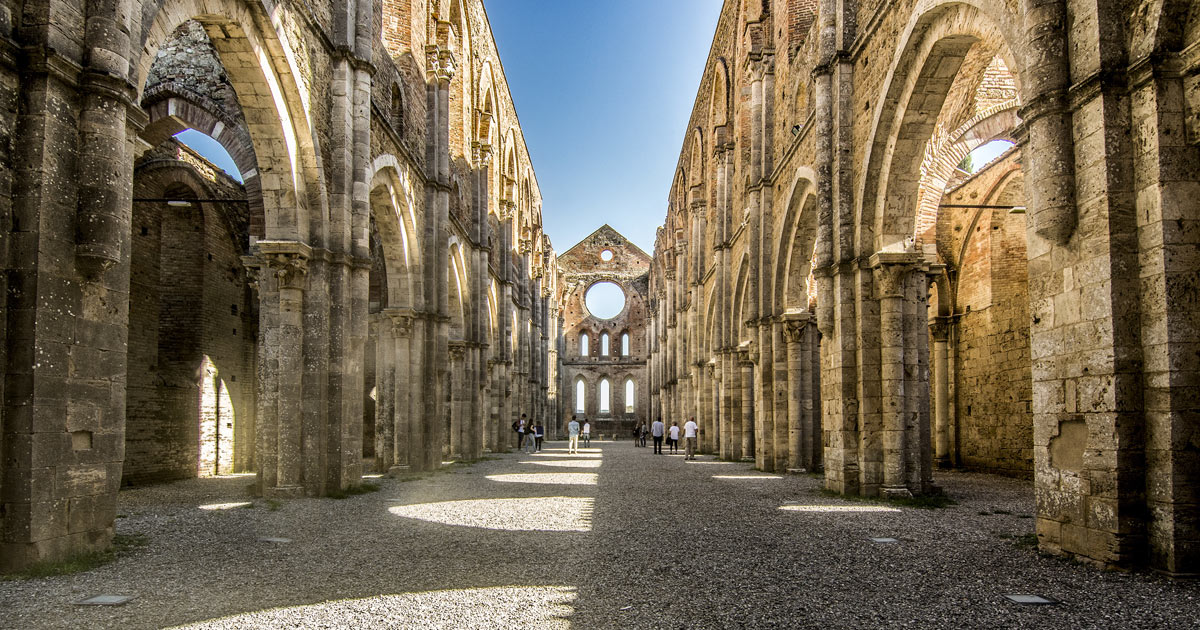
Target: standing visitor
<point>689,434</point>
<point>587,433</point>
<point>539,433</point>
<point>637,434</point>
<point>520,426</point>
<point>673,437</point>
<point>573,435</point>
<point>531,440</point>
<point>643,434</point>
<point>656,431</point>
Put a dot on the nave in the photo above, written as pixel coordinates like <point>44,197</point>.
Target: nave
<point>613,537</point>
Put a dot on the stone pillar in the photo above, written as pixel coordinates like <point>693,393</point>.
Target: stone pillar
<point>385,392</point>
<point>282,464</point>
<point>731,408</point>
<point>403,381</point>
<point>803,436</point>
<point>746,366</point>
<point>456,439</point>
<point>781,388</point>
<point>891,276</point>
<point>940,331</point>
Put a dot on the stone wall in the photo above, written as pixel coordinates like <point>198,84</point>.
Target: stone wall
<point>579,268</point>
<point>826,168</point>
<point>985,253</point>
<point>191,324</point>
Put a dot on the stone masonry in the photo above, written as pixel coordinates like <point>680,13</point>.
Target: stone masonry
<point>162,320</point>
<point>615,358</point>
<point>1036,317</point>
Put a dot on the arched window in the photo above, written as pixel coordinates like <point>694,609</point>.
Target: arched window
<point>624,344</point>
<point>604,344</point>
<point>583,345</point>
<point>630,399</point>
<point>580,396</point>
<point>397,110</point>
<point>605,396</point>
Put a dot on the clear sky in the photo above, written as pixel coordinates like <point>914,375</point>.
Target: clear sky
<point>603,90</point>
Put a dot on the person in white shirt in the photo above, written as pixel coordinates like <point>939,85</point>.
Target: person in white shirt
<point>656,431</point>
<point>690,429</point>
<point>573,436</point>
<point>673,437</point>
<point>587,433</point>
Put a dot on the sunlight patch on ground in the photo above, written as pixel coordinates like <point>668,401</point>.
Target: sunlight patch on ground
<point>495,607</point>
<point>560,479</point>
<point>565,454</point>
<point>226,506</point>
<point>581,450</point>
<point>838,508</point>
<point>700,461</point>
<point>534,514</point>
<point>566,463</point>
<point>747,477</point>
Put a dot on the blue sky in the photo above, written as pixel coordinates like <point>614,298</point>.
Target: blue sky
<point>603,90</point>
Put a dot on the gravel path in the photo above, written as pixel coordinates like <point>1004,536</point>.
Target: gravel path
<point>613,538</point>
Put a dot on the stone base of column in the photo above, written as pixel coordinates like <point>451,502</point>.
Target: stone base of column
<point>797,471</point>
<point>398,470</point>
<point>944,462</point>
<point>899,492</point>
<point>283,492</point>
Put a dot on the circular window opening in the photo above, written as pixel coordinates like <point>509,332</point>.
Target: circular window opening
<point>605,300</point>
<point>606,255</point>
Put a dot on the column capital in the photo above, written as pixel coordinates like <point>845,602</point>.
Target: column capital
<point>440,64</point>
<point>402,320</point>
<point>794,324</point>
<point>288,260</point>
<point>939,328</point>
<point>891,270</point>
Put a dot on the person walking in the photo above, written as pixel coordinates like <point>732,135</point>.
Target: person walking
<point>573,436</point>
<point>637,433</point>
<point>690,429</point>
<point>587,433</point>
<point>673,437</point>
<point>539,433</point>
<point>656,431</point>
<point>643,434</point>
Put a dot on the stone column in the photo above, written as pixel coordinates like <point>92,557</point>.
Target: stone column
<point>746,365</point>
<point>891,279</point>
<point>457,438</point>
<point>287,262</point>
<point>940,331</point>
<point>385,392</point>
<point>731,408</point>
<point>802,438</point>
<point>782,391</point>
<point>403,381</point>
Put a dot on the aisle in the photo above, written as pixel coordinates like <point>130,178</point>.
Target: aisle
<point>611,537</point>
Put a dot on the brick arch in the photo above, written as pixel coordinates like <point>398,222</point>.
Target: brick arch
<point>175,113</point>
<point>176,172</point>
<point>916,88</point>
<point>392,208</point>
<point>261,66</point>
<point>945,153</point>
<point>794,253</point>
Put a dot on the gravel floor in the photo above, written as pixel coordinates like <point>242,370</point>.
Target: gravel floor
<point>613,538</point>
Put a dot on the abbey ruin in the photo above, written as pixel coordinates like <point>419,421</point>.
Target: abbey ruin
<point>837,287</point>
<point>833,290</point>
